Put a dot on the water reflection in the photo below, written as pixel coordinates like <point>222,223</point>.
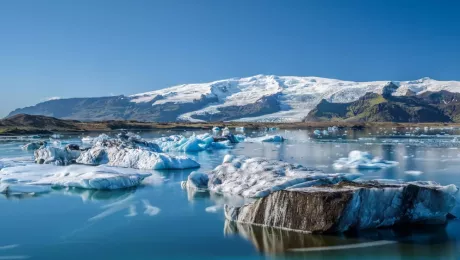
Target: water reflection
<point>278,242</point>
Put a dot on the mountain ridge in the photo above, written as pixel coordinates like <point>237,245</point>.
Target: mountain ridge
<point>260,98</point>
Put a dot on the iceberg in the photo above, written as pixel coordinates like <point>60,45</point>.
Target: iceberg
<point>57,156</point>
<point>128,150</point>
<point>258,177</point>
<point>33,146</point>
<point>195,143</point>
<point>134,158</point>
<point>31,177</point>
<point>91,140</point>
<point>348,206</point>
<point>196,180</point>
<point>362,160</point>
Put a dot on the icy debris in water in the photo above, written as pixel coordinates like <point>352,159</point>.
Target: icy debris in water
<point>258,177</point>
<point>414,173</point>
<point>225,131</point>
<point>325,132</point>
<point>93,140</point>
<point>214,209</point>
<point>333,129</point>
<point>240,129</point>
<point>362,160</point>
<point>267,139</point>
<point>216,129</point>
<point>76,176</point>
<point>317,132</point>
<point>33,146</point>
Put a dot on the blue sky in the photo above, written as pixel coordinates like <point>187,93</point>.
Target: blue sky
<point>84,48</point>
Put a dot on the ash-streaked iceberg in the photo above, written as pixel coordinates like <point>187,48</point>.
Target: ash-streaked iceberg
<point>362,160</point>
<point>258,177</point>
<point>76,176</point>
<point>349,206</point>
<point>56,155</point>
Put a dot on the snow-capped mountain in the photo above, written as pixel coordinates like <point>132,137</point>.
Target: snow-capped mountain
<point>257,98</point>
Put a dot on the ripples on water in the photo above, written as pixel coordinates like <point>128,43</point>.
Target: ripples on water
<point>159,220</point>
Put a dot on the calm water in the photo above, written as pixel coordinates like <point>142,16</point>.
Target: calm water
<point>84,224</point>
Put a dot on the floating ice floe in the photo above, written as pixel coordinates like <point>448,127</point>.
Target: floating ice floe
<point>267,139</point>
<point>258,177</point>
<point>317,132</point>
<point>31,177</point>
<point>195,143</point>
<point>362,160</point>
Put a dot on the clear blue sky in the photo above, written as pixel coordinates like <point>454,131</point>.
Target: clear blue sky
<point>81,48</point>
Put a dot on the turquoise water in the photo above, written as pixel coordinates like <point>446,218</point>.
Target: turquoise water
<point>85,224</point>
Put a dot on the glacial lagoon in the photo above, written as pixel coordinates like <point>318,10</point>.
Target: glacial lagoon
<point>161,220</point>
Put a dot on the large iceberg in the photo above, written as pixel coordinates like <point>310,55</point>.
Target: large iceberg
<point>349,206</point>
<point>362,160</point>
<point>30,177</point>
<point>128,150</point>
<point>258,177</point>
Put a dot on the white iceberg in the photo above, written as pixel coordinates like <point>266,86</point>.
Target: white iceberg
<point>196,180</point>
<point>362,160</point>
<point>240,129</point>
<point>55,155</point>
<point>76,176</point>
<point>134,158</point>
<point>91,140</point>
<point>258,177</point>
<point>225,131</point>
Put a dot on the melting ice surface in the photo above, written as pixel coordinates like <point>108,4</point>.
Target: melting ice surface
<point>160,220</point>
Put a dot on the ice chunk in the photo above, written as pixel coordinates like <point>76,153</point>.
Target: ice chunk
<point>77,176</point>
<point>258,177</point>
<point>55,155</point>
<point>33,146</point>
<point>197,181</point>
<point>362,160</point>
<point>225,131</point>
<point>92,140</point>
<point>195,143</point>
<point>216,129</point>
<point>317,132</point>
<point>240,129</point>
<point>267,139</point>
